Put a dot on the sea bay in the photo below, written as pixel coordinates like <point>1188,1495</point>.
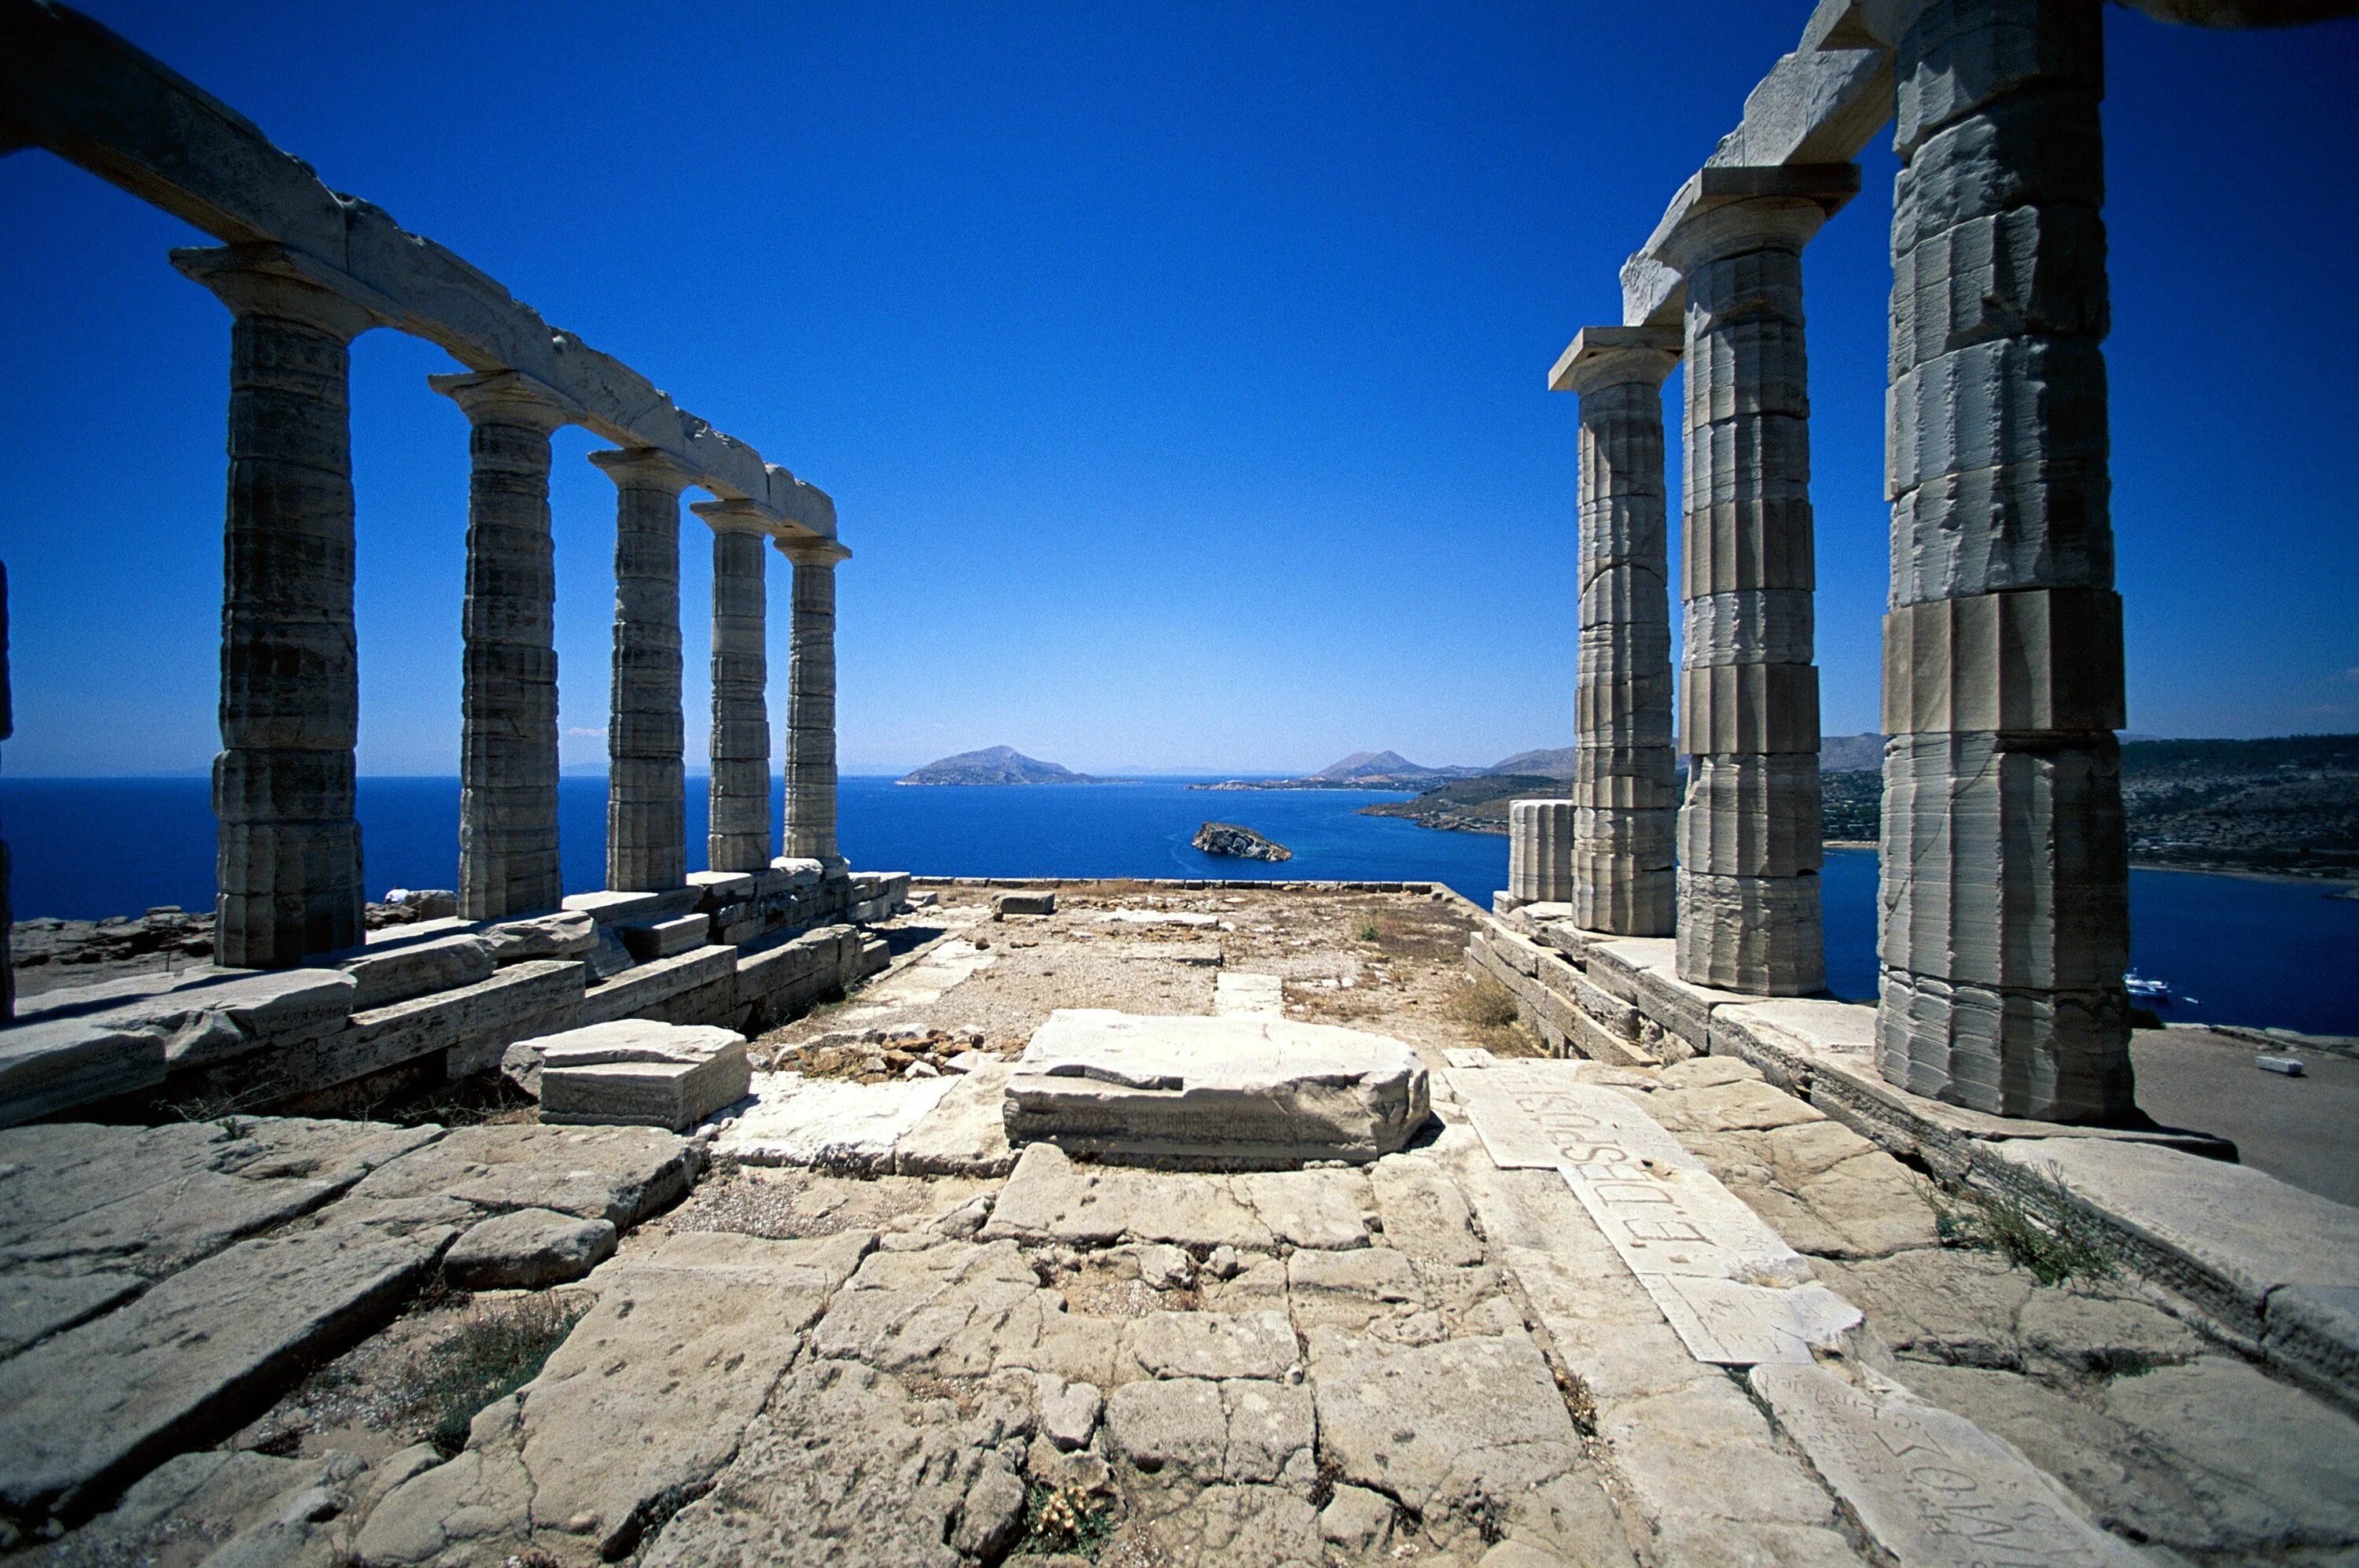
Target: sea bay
<point>2237,949</point>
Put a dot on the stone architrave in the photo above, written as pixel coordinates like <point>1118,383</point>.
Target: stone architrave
<point>1626,785</point>
<point>810,824</point>
<point>739,839</point>
<point>507,748</point>
<point>647,824</point>
<point>1540,851</point>
<point>1749,829</point>
<point>288,861</point>
<point>2005,866</point>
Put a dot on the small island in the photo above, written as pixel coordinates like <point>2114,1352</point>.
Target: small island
<point>1239,843</point>
<point>996,765</point>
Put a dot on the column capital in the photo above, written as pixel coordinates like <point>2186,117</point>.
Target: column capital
<point>813,550</point>
<point>508,397</point>
<point>1720,211</point>
<point>645,467</point>
<point>737,514</point>
<point>269,280</point>
<point>1611,356</point>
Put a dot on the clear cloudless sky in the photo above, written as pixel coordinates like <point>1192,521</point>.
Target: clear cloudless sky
<point>1177,370</point>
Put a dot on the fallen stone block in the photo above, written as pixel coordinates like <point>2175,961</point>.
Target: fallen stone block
<point>472,1025</point>
<point>185,1364</point>
<point>609,908</point>
<point>1005,904</point>
<point>402,971</point>
<point>666,938</point>
<point>635,1073</point>
<point>1215,1093</point>
<point>528,1249</point>
<point>571,935</point>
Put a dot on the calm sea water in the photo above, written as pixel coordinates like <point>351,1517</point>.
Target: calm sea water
<point>2247,951</point>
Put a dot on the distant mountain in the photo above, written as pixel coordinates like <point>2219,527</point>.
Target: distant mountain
<point>1363,764</point>
<point>1553,763</point>
<point>994,764</point>
<point>1851,754</point>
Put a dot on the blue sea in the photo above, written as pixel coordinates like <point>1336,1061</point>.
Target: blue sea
<point>2238,950</point>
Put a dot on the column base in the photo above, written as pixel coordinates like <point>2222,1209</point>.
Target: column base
<point>1759,935</point>
<point>2059,1056</point>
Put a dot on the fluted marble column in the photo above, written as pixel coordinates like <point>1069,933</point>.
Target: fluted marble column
<point>2004,895</point>
<point>810,703</point>
<point>289,863</point>
<point>740,835</point>
<point>646,824</point>
<point>508,745</point>
<point>1750,831</point>
<point>1625,784</point>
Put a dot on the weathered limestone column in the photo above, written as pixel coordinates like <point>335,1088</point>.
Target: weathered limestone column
<point>1750,831</point>
<point>288,865</point>
<point>1540,848</point>
<point>507,747</point>
<point>646,822</point>
<point>2005,896</point>
<point>1625,783</point>
<point>810,703</point>
<point>740,835</point>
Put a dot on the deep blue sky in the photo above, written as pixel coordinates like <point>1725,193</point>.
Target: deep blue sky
<point>1178,372</point>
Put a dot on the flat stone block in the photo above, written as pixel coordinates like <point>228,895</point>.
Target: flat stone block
<point>55,1065</point>
<point>1005,904</point>
<point>567,935</point>
<point>635,1073</point>
<point>665,939</point>
<point>528,1249</point>
<point>185,1364</point>
<point>833,1123</point>
<point>653,984</point>
<point>1924,1483</point>
<point>1236,1092</point>
<point>381,979</point>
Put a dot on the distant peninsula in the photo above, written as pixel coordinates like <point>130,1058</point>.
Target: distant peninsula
<point>996,765</point>
<point>1361,770</point>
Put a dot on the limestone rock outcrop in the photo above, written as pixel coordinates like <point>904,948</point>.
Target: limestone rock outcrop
<point>1239,843</point>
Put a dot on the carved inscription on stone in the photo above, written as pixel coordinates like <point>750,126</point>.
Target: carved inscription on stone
<point>1736,1294</point>
<point>1930,1487</point>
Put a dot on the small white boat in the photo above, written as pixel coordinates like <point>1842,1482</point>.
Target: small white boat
<point>2146,989</point>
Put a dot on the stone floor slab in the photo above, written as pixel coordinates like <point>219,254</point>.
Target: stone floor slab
<point>829,1124</point>
<point>619,1174</point>
<point>1927,1485</point>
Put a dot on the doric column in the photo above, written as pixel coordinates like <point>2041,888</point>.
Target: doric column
<point>1750,832</point>
<point>740,835</point>
<point>1541,840</point>
<point>810,703</point>
<point>2006,897</point>
<point>508,745</point>
<point>647,822</point>
<point>288,865</point>
<point>1625,784</point>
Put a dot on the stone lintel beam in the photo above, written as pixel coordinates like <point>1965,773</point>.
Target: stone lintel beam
<point>91,97</point>
<point>1653,291</point>
<point>1601,356</point>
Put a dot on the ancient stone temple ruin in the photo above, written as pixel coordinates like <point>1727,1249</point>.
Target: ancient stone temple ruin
<point>2004,897</point>
<point>783,1215</point>
<point>303,271</point>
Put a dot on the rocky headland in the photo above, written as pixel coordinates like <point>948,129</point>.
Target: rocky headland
<point>1240,842</point>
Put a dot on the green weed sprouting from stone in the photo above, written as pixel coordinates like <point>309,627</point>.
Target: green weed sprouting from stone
<point>497,1350</point>
<point>1372,932</point>
<point>2055,1241</point>
<point>1063,1519</point>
